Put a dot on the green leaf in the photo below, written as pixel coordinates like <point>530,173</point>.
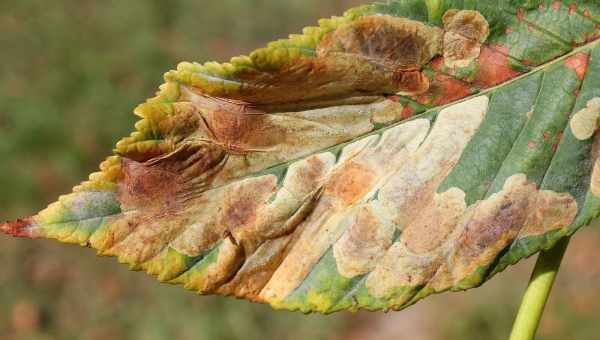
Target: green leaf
<point>403,149</point>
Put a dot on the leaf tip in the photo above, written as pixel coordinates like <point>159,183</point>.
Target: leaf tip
<point>18,228</point>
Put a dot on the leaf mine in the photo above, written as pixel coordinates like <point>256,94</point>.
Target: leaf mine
<point>586,121</point>
<point>465,32</point>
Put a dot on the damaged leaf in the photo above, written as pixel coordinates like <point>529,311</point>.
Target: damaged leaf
<point>403,149</point>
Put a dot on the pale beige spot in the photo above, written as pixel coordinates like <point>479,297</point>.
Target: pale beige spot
<point>585,122</point>
<point>388,114</point>
<point>411,188</point>
<point>413,260</point>
<point>399,268</point>
<point>364,243</point>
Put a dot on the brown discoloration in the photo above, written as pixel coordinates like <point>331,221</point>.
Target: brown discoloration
<point>399,45</point>
<point>443,90</point>
<point>243,207</point>
<point>290,205</point>
<point>363,167</point>
<point>578,63</point>
<point>411,82</point>
<point>151,235</point>
<point>230,211</point>
<point>144,186</point>
<point>550,211</point>
<point>467,239</point>
<point>494,224</point>
<point>494,67</point>
<point>230,128</point>
<point>351,182</point>
<point>167,180</point>
<point>400,268</point>
<point>364,243</point>
<point>521,14</point>
<point>466,31</point>
<point>257,270</point>
<point>436,222</point>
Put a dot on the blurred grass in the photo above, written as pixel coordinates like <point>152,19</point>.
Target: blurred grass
<point>70,74</point>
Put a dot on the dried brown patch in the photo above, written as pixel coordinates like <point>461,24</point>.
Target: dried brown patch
<point>411,82</point>
<point>242,207</point>
<point>257,270</point>
<point>466,31</point>
<point>351,182</point>
<point>497,220</point>
<point>363,244</point>
<point>167,180</point>
<point>550,211</point>
<point>144,186</point>
<point>400,45</point>
<point>436,222</point>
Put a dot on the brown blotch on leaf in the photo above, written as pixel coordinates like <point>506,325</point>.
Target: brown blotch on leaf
<point>364,243</point>
<point>257,270</point>
<point>551,211</point>
<point>398,44</point>
<point>351,182</point>
<point>466,31</point>
<point>170,178</point>
<point>436,222</point>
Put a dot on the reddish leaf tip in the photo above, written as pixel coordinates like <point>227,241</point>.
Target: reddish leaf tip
<point>17,228</point>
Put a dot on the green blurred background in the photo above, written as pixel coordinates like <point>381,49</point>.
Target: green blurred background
<point>71,72</point>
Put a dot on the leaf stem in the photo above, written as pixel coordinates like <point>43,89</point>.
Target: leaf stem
<point>538,291</point>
